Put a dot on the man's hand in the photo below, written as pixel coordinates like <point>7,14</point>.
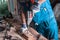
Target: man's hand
<point>36,34</point>
<point>31,38</point>
<point>29,35</point>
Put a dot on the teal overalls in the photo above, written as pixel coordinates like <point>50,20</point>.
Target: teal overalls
<point>45,22</point>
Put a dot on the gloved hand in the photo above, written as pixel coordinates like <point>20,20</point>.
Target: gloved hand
<point>23,28</point>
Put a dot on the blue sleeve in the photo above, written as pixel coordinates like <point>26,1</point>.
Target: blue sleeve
<point>53,34</point>
<point>48,1</point>
<point>48,15</point>
<point>37,17</point>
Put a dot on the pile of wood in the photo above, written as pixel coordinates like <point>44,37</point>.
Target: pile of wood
<point>16,35</point>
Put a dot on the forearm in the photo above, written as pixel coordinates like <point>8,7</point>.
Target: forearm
<point>23,18</point>
<point>36,34</point>
<point>33,31</point>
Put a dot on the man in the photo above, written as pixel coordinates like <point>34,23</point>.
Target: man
<point>44,21</point>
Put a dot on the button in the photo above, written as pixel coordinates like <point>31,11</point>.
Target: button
<point>36,23</point>
<point>45,9</point>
